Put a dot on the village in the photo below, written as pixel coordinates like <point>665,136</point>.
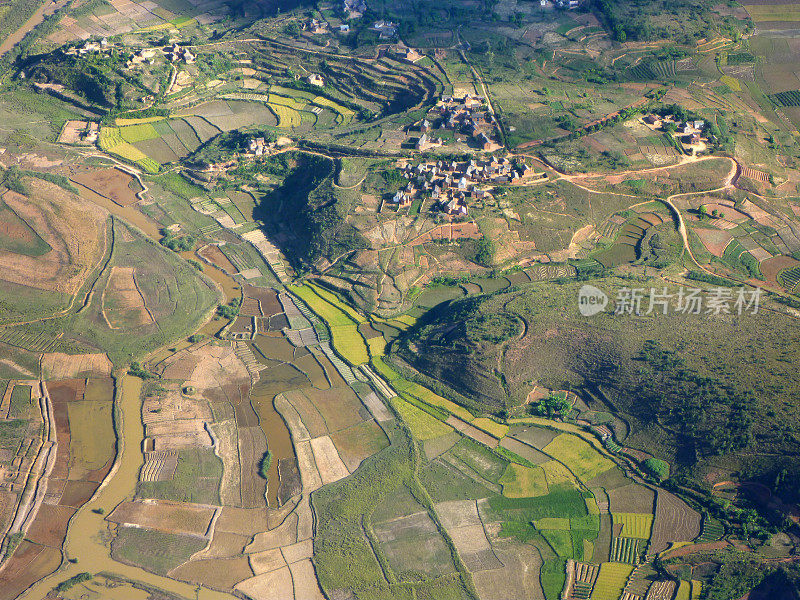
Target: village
<point>467,115</point>
<point>450,185</point>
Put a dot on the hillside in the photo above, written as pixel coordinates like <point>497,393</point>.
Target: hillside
<point>677,375</point>
<point>305,212</point>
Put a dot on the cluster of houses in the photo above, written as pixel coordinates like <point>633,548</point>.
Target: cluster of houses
<point>463,115</point>
<point>560,3</point>
<point>318,27</point>
<point>692,131</point>
<point>89,47</point>
<point>386,29</point>
<point>177,53</point>
<point>259,146</point>
<point>355,9</point>
<point>452,184</point>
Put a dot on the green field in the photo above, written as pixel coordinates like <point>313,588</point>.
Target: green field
<point>20,238</point>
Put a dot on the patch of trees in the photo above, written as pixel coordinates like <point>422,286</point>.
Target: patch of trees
<point>485,252</point>
<point>706,413</point>
<point>657,468</point>
<point>551,407</point>
<point>176,243</point>
<point>265,465</point>
<point>230,310</point>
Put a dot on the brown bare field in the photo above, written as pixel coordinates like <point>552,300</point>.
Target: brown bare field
<point>266,561</point>
<point>214,255</point>
<point>224,545</point>
<point>450,231</point>
<point>715,240</point>
<point>462,523</point>
<point>252,447</point>
<point>518,579</point>
<point>312,420</point>
<point>275,585</point>
<point>74,229</point>
<point>633,498</point>
<point>27,565</point>
<point>359,442</point>
<point>123,304</point>
<point>305,581</point>
<point>471,431</point>
<point>267,299</point>
<point>56,365</point>
<point>216,573</point>
<point>674,521</point>
<point>772,266</point>
<point>78,493</point>
<point>50,525</point>
<point>330,465</point>
<point>242,521</point>
<point>113,183</point>
<point>340,407</point>
<point>169,517</point>
<point>282,535</point>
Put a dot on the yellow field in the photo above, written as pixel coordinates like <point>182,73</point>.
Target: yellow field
<point>287,117</point>
<point>524,482</point>
<point>581,458</point>
<point>491,427</point>
<point>427,396</point>
<point>346,113</point>
<point>138,133</point>
<point>684,591</point>
<point>125,122</point>
<point>557,474</point>
<point>422,425</point>
<point>111,141</point>
<point>774,12</point>
<point>731,82</point>
<point>331,314</point>
<point>591,506</point>
<point>558,523</point>
<point>377,346</point>
<point>286,101</point>
<point>331,298</point>
<point>611,581</point>
<point>349,343</point>
<point>634,525</point>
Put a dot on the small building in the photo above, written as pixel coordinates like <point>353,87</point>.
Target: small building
<point>409,54</point>
<point>425,127</point>
<point>402,199</point>
<point>652,119</point>
<point>316,79</point>
<point>344,28</point>
<point>483,141</point>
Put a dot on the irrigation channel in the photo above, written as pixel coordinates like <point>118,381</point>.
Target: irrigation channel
<point>88,534</point>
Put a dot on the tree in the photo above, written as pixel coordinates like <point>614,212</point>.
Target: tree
<point>657,468</point>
